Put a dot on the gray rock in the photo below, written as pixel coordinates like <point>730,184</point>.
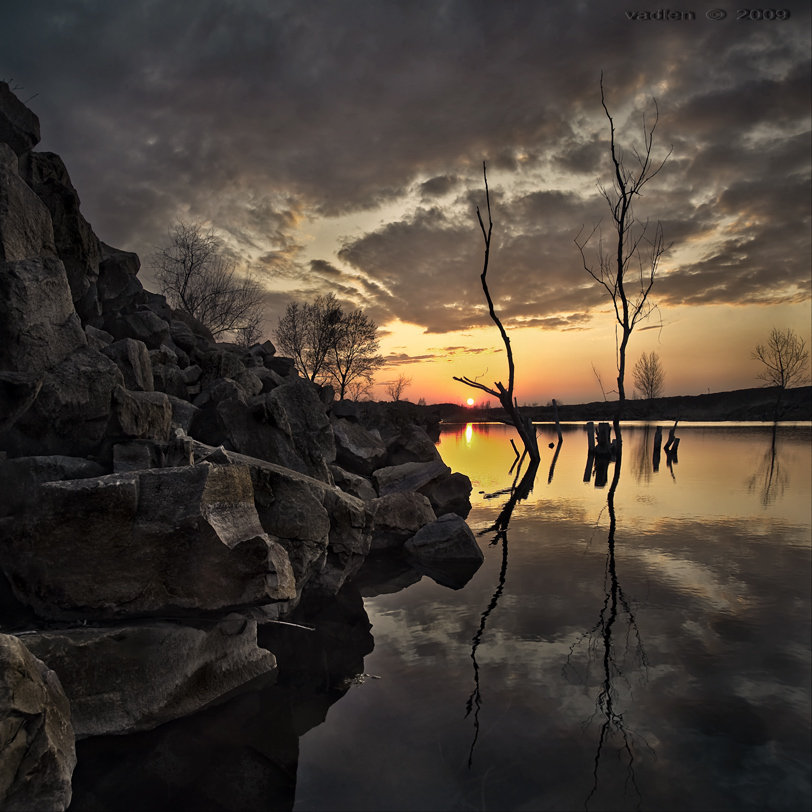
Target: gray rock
<point>37,751</point>
<point>21,477</point>
<point>19,127</point>
<point>136,677</point>
<point>144,325</point>
<point>282,366</point>
<point>133,359</point>
<point>325,531</point>
<point>138,455</point>
<point>97,339</point>
<point>263,350</point>
<point>451,494</point>
<point>170,380</point>
<point>26,230</point>
<point>182,335</point>
<point>356,449</point>
<point>72,410</point>
<point>398,517</point>
<point>38,324</point>
<point>204,339</point>
<point>310,427</point>
<point>446,538</point>
<point>411,444</point>
<point>346,409</point>
<point>182,412</point>
<point>353,484</point>
<point>158,542</point>
<point>117,287</point>
<point>446,550</point>
<point>250,383</point>
<point>410,476</point>
<point>270,379</point>
<point>217,364</point>
<point>76,244</point>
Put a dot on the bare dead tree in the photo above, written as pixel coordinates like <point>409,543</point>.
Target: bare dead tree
<point>505,395</point>
<point>397,387</point>
<point>649,375</point>
<point>308,332</point>
<point>197,278</point>
<point>354,353</point>
<point>786,362</point>
<point>628,268</point>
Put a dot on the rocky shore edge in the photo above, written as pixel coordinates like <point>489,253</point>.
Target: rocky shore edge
<point>164,495</point>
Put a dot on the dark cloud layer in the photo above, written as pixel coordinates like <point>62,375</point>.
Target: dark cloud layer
<point>262,118</point>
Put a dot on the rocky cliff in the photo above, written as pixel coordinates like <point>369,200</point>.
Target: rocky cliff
<point>152,476</point>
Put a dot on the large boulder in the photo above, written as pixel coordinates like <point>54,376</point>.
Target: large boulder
<point>450,494</point>
<point>78,247</point>
<point>37,752</point>
<point>397,517</point>
<point>446,550</point>
<point>146,415</point>
<point>411,444</point>
<point>132,358</point>
<point>21,477</point>
<point>325,531</point>
<point>353,484</point>
<point>357,450</point>
<point>117,287</point>
<point>38,324</point>
<point>19,127</point>
<point>143,325</point>
<point>72,410</point>
<point>25,224</point>
<point>156,542</point>
<point>138,676</point>
<point>286,426</point>
<point>411,476</point>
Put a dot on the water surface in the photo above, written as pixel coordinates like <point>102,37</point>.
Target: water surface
<point>672,674</point>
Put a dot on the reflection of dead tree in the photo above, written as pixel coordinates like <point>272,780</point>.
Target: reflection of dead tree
<point>628,269</point>
<point>603,642</point>
<point>500,528</point>
<point>505,395</point>
<point>642,463</point>
<point>770,478</point>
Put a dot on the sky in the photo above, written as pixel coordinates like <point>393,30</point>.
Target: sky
<point>339,146</point>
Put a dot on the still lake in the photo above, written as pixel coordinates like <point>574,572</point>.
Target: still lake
<point>650,654</point>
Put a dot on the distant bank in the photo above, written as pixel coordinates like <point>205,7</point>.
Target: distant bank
<point>741,404</point>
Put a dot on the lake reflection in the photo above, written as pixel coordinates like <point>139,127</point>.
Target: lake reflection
<point>641,645</point>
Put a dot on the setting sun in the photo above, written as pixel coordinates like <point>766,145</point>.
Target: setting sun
<point>470,401</point>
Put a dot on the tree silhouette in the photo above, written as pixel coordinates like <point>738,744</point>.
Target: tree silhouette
<point>627,269</point>
<point>786,363</point>
<point>196,277</point>
<point>505,395</point>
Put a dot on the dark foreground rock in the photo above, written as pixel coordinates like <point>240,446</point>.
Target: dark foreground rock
<point>157,542</point>
<point>138,676</point>
<point>37,752</point>
<point>446,550</point>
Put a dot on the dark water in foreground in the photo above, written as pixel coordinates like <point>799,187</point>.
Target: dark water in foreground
<point>652,656</point>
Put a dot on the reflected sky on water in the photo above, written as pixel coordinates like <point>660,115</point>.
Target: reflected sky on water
<point>655,655</point>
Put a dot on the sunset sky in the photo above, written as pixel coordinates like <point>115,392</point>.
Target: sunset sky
<point>338,146</point>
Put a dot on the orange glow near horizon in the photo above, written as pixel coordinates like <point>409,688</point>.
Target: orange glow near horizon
<point>703,348</point>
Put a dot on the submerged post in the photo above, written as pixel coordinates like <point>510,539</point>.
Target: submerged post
<point>590,437</point>
<point>557,424</point>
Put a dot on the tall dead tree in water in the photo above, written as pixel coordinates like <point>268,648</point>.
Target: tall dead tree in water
<point>628,267</point>
<point>505,394</point>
